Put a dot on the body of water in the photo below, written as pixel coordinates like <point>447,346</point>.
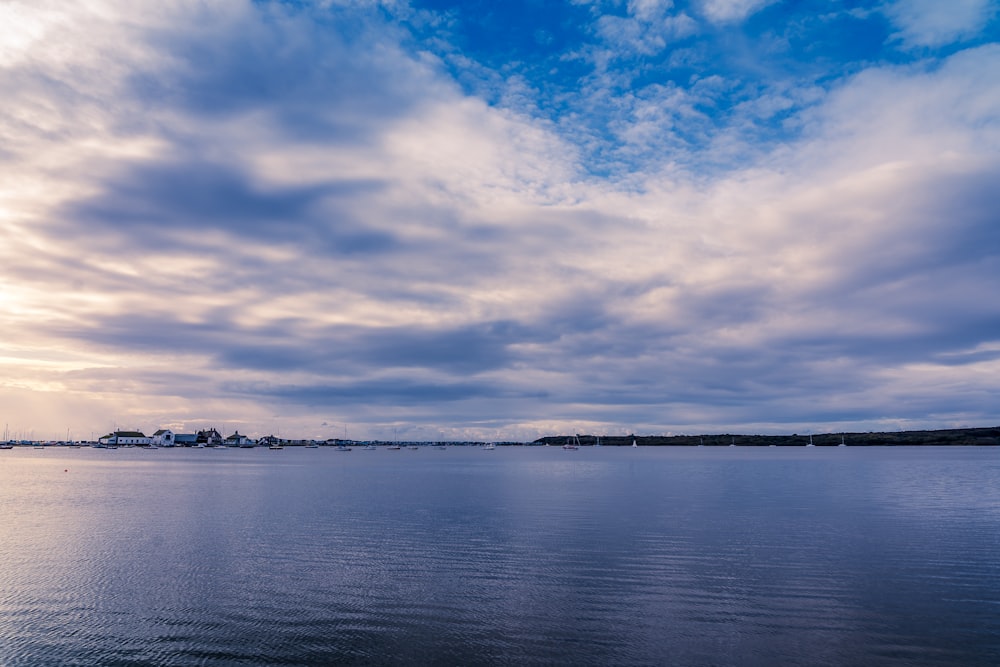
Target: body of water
<point>518,556</point>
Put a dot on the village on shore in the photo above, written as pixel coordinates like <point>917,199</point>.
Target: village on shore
<point>212,438</point>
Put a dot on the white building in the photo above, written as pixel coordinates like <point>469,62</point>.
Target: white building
<point>125,438</point>
<point>163,438</point>
<point>237,439</point>
<point>211,438</point>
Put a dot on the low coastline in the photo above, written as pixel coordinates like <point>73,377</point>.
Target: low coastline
<point>961,437</point>
<point>987,436</point>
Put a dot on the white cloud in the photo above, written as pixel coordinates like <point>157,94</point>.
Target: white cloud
<point>722,11</point>
<point>649,28</point>
<point>934,23</point>
<point>649,10</point>
<point>198,228</point>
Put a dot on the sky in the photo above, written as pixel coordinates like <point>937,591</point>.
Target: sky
<point>440,220</point>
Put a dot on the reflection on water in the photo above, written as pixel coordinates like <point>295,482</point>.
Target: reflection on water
<point>725,556</point>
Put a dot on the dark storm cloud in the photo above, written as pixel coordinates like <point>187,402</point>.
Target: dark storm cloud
<point>324,73</point>
<point>293,347</point>
<point>399,391</point>
<point>195,196</point>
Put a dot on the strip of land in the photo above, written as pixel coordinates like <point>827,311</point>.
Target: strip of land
<point>949,437</point>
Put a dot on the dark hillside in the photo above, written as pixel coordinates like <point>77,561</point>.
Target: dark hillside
<point>956,437</point>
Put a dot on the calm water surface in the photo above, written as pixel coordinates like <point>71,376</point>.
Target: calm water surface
<point>518,556</point>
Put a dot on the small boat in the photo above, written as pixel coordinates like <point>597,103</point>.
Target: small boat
<point>393,447</point>
<point>489,445</point>
<point>312,445</point>
<point>413,447</point>
<point>572,444</point>
<point>275,446</point>
<point>370,448</point>
<point>341,448</point>
<point>6,446</point>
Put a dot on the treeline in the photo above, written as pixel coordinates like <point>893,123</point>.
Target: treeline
<point>949,437</point>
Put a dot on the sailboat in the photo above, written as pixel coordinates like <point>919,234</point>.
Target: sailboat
<point>810,442</point>
<point>842,443</point>
<point>634,443</point>
<point>572,444</point>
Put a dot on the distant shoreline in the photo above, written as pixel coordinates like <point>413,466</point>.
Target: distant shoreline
<point>960,437</point>
<point>988,436</point>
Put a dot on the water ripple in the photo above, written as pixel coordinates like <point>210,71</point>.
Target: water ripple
<point>522,557</point>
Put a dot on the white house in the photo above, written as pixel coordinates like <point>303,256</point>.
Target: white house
<point>124,438</point>
<point>237,439</point>
<point>211,437</point>
<point>163,438</point>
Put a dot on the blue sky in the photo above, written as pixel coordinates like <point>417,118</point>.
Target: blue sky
<point>499,220</point>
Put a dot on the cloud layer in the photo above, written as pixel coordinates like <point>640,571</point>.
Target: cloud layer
<point>646,217</point>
